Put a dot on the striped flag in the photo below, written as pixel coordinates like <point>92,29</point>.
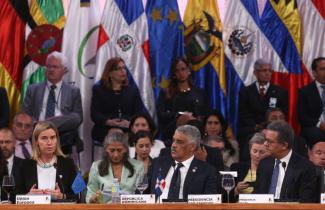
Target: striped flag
<point>43,36</point>
<point>160,185</point>
<point>12,36</point>
<point>127,21</point>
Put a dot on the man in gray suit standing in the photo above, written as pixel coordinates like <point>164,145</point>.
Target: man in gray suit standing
<point>56,101</point>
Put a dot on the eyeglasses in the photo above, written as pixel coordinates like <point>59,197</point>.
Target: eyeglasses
<point>271,142</point>
<point>120,68</point>
<point>23,125</point>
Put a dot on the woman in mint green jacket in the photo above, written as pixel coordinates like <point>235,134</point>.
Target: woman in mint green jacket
<point>115,164</point>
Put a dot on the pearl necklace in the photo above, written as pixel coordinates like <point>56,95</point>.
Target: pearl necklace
<point>46,165</point>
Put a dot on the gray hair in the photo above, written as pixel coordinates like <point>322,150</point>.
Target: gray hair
<point>257,138</point>
<point>285,132</point>
<point>116,137</point>
<point>259,62</point>
<point>215,138</point>
<point>192,133</point>
<point>60,56</point>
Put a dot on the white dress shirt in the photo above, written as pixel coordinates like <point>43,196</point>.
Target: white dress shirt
<point>320,91</point>
<point>282,171</point>
<point>46,177</point>
<point>266,87</point>
<point>10,164</point>
<point>58,93</point>
<point>183,171</point>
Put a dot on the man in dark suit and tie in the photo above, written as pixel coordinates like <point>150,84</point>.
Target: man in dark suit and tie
<point>182,172</point>
<point>56,101</point>
<point>254,100</point>
<point>22,127</point>
<point>7,145</point>
<point>311,102</point>
<point>285,174</point>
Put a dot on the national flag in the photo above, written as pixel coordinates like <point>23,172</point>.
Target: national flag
<point>165,38</point>
<point>80,46</point>
<point>12,36</point>
<point>160,185</point>
<point>127,23</point>
<point>78,184</point>
<point>44,35</point>
<point>204,49</point>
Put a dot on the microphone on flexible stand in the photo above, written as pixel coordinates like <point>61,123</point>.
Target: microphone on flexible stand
<point>60,181</point>
<point>284,165</point>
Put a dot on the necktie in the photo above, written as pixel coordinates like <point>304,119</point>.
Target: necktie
<point>50,107</point>
<point>24,150</point>
<point>323,101</point>
<point>175,183</point>
<point>262,92</point>
<point>275,176</point>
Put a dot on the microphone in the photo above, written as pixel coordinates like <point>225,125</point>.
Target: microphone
<point>284,165</point>
<point>62,187</point>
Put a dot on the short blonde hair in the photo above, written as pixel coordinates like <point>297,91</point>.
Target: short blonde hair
<point>39,128</point>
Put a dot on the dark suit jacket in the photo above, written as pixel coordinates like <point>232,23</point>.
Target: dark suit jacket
<point>65,167</point>
<point>4,108</point>
<point>201,177</point>
<point>310,105</point>
<point>299,182</point>
<point>214,156</point>
<point>252,108</point>
<point>106,104</point>
<point>16,173</point>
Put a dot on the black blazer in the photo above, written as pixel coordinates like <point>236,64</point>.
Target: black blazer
<point>106,104</point>
<point>252,108</point>
<point>65,167</point>
<point>214,156</point>
<point>201,177</point>
<point>299,183</point>
<point>310,105</point>
<point>4,108</point>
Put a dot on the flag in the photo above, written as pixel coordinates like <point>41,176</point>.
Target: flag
<point>124,33</point>
<point>249,36</point>
<point>12,35</point>
<point>165,38</point>
<point>43,36</point>
<point>204,49</point>
<point>312,15</point>
<point>78,184</point>
<point>80,46</point>
<point>160,185</point>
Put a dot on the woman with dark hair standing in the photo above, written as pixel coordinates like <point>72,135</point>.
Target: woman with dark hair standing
<point>181,101</point>
<point>215,125</point>
<point>143,122</point>
<point>114,101</point>
<point>116,164</point>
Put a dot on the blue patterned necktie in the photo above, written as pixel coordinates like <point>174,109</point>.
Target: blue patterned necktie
<point>275,176</point>
<point>25,150</point>
<point>50,107</point>
<point>175,183</point>
<point>323,100</point>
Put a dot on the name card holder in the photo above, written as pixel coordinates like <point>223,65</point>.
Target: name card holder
<point>322,198</point>
<point>138,199</point>
<point>204,199</point>
<point>256,198</point>
<point>33,199</point>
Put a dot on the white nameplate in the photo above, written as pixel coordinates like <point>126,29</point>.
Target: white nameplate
<point>138,199</point>
<point>256,198</point>
<point>322,198</point>
<point>206,199</point>
<point>233,173</point>
<point>33,199</point>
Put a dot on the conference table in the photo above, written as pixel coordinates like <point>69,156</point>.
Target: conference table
<point>235,206</point>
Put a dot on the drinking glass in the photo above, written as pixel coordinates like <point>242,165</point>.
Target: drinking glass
<point>8,185</point>
<point>228,183</point>
<point>142,183</point>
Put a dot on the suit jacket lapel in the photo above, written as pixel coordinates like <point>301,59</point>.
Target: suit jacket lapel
<point>289,173</point>
<point>165,166</point>
<point>40,94</point>
<point>63,96</point>
<point>189,176</point>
